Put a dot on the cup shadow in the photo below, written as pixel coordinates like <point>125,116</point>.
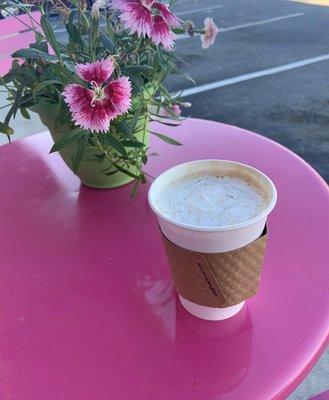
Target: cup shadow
<point>214,356</point>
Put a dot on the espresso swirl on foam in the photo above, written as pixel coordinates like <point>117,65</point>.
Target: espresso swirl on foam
<point>211,201</point>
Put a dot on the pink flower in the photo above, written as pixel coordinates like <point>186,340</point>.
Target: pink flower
<point>210,32</point>
<point>175,109</point>
<point>94,108</point>
<point>148,18</point>
<point>161,33</point>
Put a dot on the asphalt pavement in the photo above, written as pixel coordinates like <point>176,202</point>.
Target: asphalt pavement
<point>289,106</point>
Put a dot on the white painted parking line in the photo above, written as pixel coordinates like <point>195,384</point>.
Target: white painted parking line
<point>197,10</point>
<point>250,24</point>
<point>254,75</point>
<point>263,22</point>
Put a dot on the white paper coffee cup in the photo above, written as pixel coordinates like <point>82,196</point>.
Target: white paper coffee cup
<point>213,239</point>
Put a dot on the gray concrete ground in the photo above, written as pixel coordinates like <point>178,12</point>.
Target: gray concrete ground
<point>289,103</point>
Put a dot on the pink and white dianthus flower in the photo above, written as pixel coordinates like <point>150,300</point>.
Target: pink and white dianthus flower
<point>93,108</point>
<point>148,18</point>
<point>175,108</point>
<point>210,32</point>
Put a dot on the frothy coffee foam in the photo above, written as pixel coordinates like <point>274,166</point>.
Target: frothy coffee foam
<point>210,200</point>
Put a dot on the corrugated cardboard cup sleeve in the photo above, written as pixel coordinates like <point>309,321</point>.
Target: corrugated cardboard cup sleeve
<point>217,279</point>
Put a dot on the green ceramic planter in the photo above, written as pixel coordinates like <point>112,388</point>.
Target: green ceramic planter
<point>90,171</point>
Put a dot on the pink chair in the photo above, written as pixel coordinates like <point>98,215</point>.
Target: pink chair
<point>5,66</point>
<point>19,41</point>
<point>14,35</point>
<point>13,25</point>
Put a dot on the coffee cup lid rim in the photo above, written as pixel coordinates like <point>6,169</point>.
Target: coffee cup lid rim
<point>263,214</point>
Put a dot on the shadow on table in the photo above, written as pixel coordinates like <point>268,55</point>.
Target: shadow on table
<point>221,351</point>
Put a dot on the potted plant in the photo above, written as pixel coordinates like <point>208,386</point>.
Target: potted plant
<point>97,91</point>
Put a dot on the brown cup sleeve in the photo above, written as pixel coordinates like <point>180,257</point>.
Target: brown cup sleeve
<point>217,279</point>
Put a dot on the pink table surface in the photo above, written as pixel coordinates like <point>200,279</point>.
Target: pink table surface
<point>87,308</point>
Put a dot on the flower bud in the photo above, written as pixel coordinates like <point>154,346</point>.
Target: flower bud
<point>189,28</point>
<point>95,14</point>
<point>84,22</point>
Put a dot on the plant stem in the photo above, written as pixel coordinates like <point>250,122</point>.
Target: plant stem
<point>6,86</point>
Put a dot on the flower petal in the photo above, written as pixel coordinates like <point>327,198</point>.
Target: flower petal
<point>161,33</point>
<point>210,32</point>
<point>169,18</point>
<point>93,118</point>
<point>98,71</point>
<point>79,100</point>
<point>118,96</point>
<point>147,3</point>
<point>76,96</point>
<point>137,18</point>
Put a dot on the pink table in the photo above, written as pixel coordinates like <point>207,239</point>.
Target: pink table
<point>87,308</point>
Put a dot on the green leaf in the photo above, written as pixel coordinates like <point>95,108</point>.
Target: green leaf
<point>135,118</point>
<point>132,143</point>
<point>40,45</point>
<point>85,25</point>
<point>34,54</point>
<point>78,155</point>
<point>25,113</point>
<point>125,171</point>
<point>99,157</point>
<point>74,34</point>
<point>17,101</point>
<point>124,128</point>
<point>167,139</point>
<point>10,76</point>
<point>134,189</point>
<point>6,129</point>
<point>67,139</point>
<point>107,43</point>
<point>184,75</point>
<point>110,30</point>
<point>30,73</point>
<point>163,122</point>
<point>134,70</point>
<point>44,84</point>
<point>16,72</point>
<point>49,33</point>
<point>178,31</point>
<point>137,84</point>
<point>113,142</point>
<point>64,73</point>
<point>162,61</point>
